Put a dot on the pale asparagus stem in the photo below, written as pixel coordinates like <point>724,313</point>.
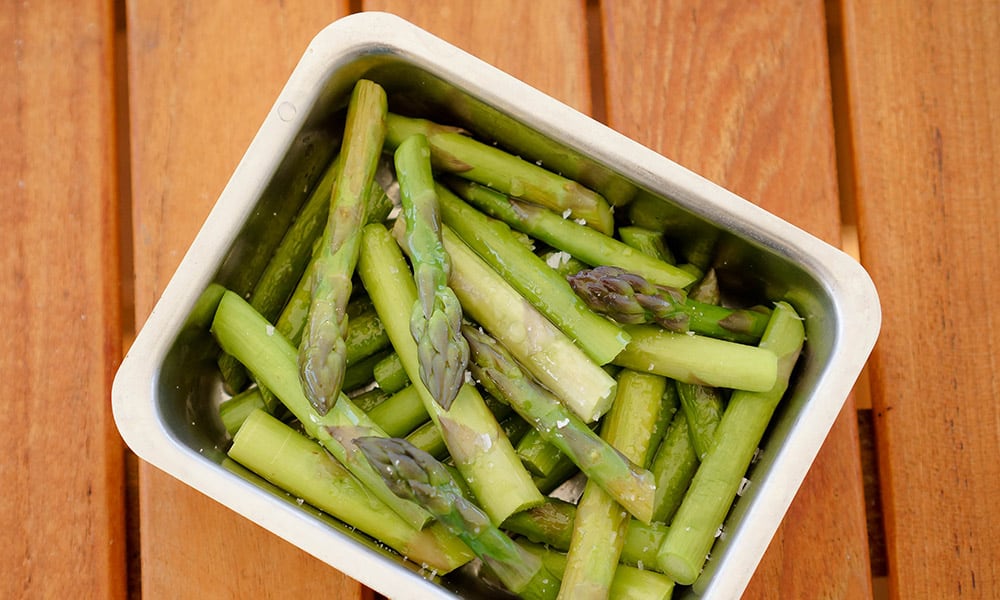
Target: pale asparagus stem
<point>601,525</point>
<point>473,160</point>
<point>322,352</point>
<point>477,445</point>
<point>715,484</point>
<point>630,485</point>
<point>495,242</point>
<point>302,467</point>
<point>544,350</point>
<point>584,243</point>
<point>436,319</point>
<point>270,358</point>
<point>416,475</point>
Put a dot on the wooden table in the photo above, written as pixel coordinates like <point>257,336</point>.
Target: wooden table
<point>873,124</point>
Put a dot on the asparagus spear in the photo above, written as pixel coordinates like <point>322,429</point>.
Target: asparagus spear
<point>303,468</point>
<point>400,413</point>
<point>475,441</point>
<point>629,298</point>
<point>436,318</point>
<point>552,524</point>
<point>390,374</point>
<point>296,311</point>
<point>703,407</point>
<point>717,480</point>
<point>698,359</point>
<point>291,257</point>
<point>592,247</point>
<point>629,583</point>
<point>547,291</point>
<point>244,333</point>
<point>673,467</point>
<point>234,411</point>
<point>600,525</point>
<point>495,368</point>
<point>545,351</point>
<point>322,358</point>
<point>646,241</point>
<point>416,475</point>
<point>473,160</point>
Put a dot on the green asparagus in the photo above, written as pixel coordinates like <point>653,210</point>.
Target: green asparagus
<point>552,524</point>
<point>547,291</point>
<point>416,475</point>
<point>322,351</point>
<point>494,367</point>
<point>703,407</point>
<point>475,441</point>
<point>592,247</point>
<point>673,467</point>
<point>628,298</point>
<point>473,160</point>
<point>629,583</point>
<point>545,351</point>
<point>244,333</point>
<point>303,468</point>
<point>717,480</point>
<point>698,359</point>
<point>600,525</point>
<point>436,318</point>
<point>390,375</point>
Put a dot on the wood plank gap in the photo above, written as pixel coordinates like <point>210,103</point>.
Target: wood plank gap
<point>126,266</point>
<point>844,153</point>
<point>595,62</point>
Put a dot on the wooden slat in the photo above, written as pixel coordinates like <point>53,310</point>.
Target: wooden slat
<point>202,77</point>
<point>924,94</point>
<point>61,510</point>
<point>542,43</point>
<point>739,92</point>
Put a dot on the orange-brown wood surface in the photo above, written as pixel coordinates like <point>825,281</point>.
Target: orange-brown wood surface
<point>901,100</point>
<point>202,77</point>
<point>924,99</point>
<point>739,92</point>
<point>61,460</point>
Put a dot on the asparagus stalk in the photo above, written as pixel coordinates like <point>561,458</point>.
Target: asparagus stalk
<point>703,407</point>
<point>537,454</point>
<point>244,333</point>
<point>545,351</point>
<point>561,262</point>
<point>629,298</point>
<point>303,468</point>
<point>552,524</point>
<point>416,475</point>
<point>717,480</point>
<point>629,583</point>
<point>436,318</point>
<point>473,160</point>
<point>673,467</point>
<point>646,241</point>
<point>600,525</point>
<point>475,441</point>
<point>698,359</point>
<point>296,311</point>
<point>591,247</point>
<point>669,405</point>
<point>390,375</point>
<point>234,411</point>
<point>400,413</point>
<point>628,484</point>
<point>322,351</point>
<point>706,290</point>
<point>291,257</point>
<point>547,291</point>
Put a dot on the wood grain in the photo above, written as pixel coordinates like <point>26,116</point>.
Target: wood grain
<point>924,94</point>
<point>202,76</point>
<point>541,43</point>
<point>739,92</point>
<point>62,509</point>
